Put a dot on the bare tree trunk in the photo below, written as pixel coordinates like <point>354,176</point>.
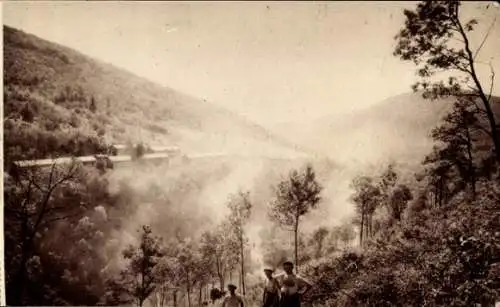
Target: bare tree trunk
<point>441,191</point>
<point>242,263</point>
<point>471,164</point>
<point>435,195</point>
<point>200,295</point>
<point>240,283</point>
<point>188,289</point>
<point>367,230</point>
<point>163,296</point>
<point>175,298</point>
<point>487,106</point>
<point>361,229</point>
<point>296,233</point>
<point>220,274</point>
<point>370,222</point>
<point>205,292</point>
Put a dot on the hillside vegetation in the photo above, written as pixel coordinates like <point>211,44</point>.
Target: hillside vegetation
<point>63,102</point>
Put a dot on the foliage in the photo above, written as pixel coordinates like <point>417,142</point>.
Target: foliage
<point>366,198</point>
<point>461,153</point>
<point>436,41</point>
<point>40,203</point>
<point>295,197</point>
<point>240,209</point>
<point>139,279</point>
<point>213,251</point>
<point>450,260</point>
<point>399,199</point>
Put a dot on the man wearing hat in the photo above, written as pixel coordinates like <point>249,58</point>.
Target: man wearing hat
<point>232,300</point>
<point>292,286</point>
<point>271,289</point>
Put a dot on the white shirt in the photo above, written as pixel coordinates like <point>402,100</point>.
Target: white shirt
<point>296,282</point>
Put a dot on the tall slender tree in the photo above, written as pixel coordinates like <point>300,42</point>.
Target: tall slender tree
<point>240,209</point>
<point>295,197</point>
<point>399,201</point>
<point>140,274</point>
<point>212,248</point>
<point>366,197</point>
<point>458,153</point>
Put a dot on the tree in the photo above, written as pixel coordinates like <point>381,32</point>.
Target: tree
<point>74,262</point>
<point>240,209</point>
<point>34,200</point>
<point>399,200</point>
<point>366,198</point>
<point>436,41</point>
<point>231,249</point>
<point>201,276</point>
<point>295,197</point>
<point>140,274</point>
<point>192,270</point>
<point>438,176</point>
<point>346,233</point>
<point>213,249</point>
<point>449,257</point>
<point>318,239</point>
<point>139,151</point>
<point>387,182</point>
<point>459,152</point>
<point>93,106</point>
<point>168,276</point>
<point>171,271</point>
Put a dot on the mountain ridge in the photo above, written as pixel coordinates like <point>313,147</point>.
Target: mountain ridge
<point>396,129</point>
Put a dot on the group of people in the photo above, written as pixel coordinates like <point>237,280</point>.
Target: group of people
<point>282,290</point>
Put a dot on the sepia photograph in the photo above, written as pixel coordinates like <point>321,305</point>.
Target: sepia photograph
<point>251,153</point>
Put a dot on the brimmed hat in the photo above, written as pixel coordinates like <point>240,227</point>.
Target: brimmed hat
<point>288,263</point>
<point>268,268</point>
<point>232,286</point>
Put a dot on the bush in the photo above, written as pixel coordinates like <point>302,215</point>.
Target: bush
<point>452,259</point>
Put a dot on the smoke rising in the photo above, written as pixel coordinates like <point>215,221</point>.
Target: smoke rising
<point>190,198</point>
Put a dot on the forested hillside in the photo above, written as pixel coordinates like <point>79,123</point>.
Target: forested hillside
<point>64,102</point>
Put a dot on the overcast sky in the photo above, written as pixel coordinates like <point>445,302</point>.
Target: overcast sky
<point>272,62</point>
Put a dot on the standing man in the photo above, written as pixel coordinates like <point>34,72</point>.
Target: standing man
<point>232,300</point>
<point>292,287</point>
<point>271,290</point>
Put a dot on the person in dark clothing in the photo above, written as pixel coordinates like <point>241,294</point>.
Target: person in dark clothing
<point>271,290</point>
<point>292,286</point>
<point>216,294</point>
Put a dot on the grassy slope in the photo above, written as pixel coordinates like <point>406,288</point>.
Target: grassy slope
<point>49,88</point>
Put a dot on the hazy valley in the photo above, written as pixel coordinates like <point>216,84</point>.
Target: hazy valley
<point>170,234</point>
